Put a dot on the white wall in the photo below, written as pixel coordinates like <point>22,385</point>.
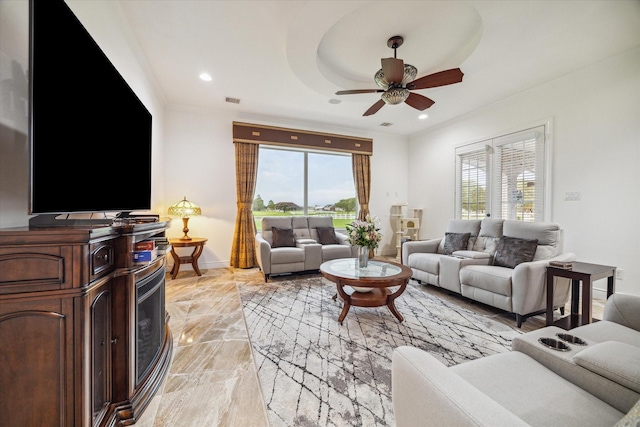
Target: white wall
<point>596,150</point>
<point>200,164</point>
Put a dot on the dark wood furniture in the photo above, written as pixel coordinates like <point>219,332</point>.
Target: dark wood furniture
<point>197,243</point>
<point>581,273</point>
<point>69,326</point>
<point>379,276</point>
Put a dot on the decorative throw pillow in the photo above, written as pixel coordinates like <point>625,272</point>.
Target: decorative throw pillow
<point>455,242</point>
<point>282,237</point>
<point>512,251</point>
<point>327,236</point>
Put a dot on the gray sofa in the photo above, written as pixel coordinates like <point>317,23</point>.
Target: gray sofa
<point>515,284</point>
<point>595,384</point>
<point>308,244</point>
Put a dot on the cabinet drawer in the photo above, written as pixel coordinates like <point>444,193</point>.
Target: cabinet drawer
<point>38,269</point>
<point>102,259</point>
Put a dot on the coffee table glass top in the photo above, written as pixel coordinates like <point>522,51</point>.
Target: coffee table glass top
<point>348,268</point>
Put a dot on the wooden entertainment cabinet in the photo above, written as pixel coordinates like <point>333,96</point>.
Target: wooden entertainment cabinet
<point>73,328</point>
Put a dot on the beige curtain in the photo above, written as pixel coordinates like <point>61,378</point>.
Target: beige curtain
<point>362,179</point>
<point>243,253</point>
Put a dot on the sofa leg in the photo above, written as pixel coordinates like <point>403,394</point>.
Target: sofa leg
<point>266,278</point>
<point>562,310</point>
<point>519,319</point>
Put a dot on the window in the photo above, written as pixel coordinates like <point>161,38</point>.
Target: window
<point>503,177</point>
<point>302,182</point>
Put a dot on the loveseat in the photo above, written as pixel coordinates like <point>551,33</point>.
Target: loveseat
<point>299,243</point>
<point>501,263</point>
<point>593,384</point>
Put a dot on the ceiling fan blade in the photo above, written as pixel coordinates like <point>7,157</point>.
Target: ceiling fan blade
<point>419,102</point>
<point>374,108</point>
<point>393,70</point>
<point>442,78</point>
<point>351,92</point>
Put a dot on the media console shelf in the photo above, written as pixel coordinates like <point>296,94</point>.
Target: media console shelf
<point>84,339</point>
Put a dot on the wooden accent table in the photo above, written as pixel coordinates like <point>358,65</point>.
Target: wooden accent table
<point>367,287</point>
<point>198,246</point>
<point>580,272</point>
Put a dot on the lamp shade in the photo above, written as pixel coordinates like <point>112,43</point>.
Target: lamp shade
<point>185,209</point>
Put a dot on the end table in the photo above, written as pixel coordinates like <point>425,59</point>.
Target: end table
<point>580,272</point>
<point>198,246</point>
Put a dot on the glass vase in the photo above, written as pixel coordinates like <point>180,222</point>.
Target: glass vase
<point>363,256</point>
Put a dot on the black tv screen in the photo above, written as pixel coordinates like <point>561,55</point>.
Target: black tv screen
<point>90,136</point>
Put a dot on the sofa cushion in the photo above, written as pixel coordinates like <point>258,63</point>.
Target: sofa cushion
<point>300,227</point>
<point>534,393</point>
<point>327,236</point>
<point>488,277</point>
<point>426,262</point>
<point>462,226</point>
<point>286,255</point>
<point>455,242</point>
<point>330,252</point>
<point>282,237</point>
<point>614,360</point>
<point>512,251</point>
<point>490,233</point>
<point>549,235</point>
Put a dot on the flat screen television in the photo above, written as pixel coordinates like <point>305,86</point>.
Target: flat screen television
<point>90,135</point>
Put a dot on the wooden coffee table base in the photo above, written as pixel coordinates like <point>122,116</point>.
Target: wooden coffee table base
<point>377,297</point>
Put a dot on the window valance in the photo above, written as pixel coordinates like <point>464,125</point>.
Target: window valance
<point>261,134</point>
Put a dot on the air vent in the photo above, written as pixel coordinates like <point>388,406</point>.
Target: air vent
<point>386,124</point>
<point>232,100</point>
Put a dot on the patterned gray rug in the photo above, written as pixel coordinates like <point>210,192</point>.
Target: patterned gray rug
<point>316,372</point>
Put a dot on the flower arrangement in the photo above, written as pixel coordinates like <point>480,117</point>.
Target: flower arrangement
<point>364,233</point>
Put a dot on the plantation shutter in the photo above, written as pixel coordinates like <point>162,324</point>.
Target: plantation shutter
<point>503,177</point>
<point>518,191</point>
<point>473,175</point>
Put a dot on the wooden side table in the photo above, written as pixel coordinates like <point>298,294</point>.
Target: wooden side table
<point>581,272</point>
<point>198,246</point>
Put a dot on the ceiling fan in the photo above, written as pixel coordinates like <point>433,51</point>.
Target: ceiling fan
<point>397,80</point>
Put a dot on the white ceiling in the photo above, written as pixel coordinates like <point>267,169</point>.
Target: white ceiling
<point>286,59</point>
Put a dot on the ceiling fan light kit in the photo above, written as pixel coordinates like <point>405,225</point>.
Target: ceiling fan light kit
<point>397,79</point>
<point>395,95</point>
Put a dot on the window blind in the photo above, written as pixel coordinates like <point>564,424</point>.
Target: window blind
<point>473,166</point>
<point>502,177</point>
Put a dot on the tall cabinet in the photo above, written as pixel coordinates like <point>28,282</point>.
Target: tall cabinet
<point>70,326</point>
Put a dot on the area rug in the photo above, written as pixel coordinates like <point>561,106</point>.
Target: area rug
<point>315,372</point>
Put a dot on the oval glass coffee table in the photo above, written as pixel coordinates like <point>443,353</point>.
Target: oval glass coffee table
<point>367,287</point>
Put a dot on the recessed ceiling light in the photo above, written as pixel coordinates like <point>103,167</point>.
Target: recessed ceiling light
<point>206,77</point>
<point>422,116</point>
<point>334,101</point>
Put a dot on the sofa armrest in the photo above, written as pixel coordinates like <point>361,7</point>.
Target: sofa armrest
<point>427,393</point>
<point>529,285</point>
<point>420,246</point>
<point>263,252</point>
<point>623,309</point>
<point>344,240</point>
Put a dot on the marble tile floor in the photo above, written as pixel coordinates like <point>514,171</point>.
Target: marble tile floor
<point>212,379</point>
